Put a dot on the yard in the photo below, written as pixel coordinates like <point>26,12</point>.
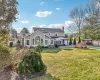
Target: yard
<point>72,64</point>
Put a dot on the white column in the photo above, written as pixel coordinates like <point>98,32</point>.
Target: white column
<point>43,42</point>
<point>30,43</point>
<point>34,41</point>
<point>24,42</point>
<point>49,41</point>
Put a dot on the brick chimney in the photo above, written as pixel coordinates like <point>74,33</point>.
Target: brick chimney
<point>63,28</point>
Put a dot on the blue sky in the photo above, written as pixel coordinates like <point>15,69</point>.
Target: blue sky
<point>45,13</point>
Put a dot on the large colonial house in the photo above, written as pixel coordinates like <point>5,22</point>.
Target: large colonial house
<point>44,36</point>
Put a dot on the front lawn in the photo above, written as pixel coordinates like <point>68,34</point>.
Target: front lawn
<point>70,64</point>
<point>51,50</point>
<point>74,64</point>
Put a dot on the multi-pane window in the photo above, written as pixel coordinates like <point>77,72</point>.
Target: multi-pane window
<point>51,41</point>
<point>42,41</point>
<point>46,42</point>
<point>27,42</point>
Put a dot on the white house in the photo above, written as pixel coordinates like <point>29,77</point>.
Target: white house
<point>44,36</point>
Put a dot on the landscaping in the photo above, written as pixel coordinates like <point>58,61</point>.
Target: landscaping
<point>49,52</point>
<point>70,64</point>
<point>74,64</point>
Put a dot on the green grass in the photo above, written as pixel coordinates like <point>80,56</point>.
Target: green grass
<point>51,50</point>
<point>71,64</point>
<point>74,64</point>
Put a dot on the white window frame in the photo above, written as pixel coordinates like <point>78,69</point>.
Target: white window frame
<point>47,42</point>
<point>51,40</point>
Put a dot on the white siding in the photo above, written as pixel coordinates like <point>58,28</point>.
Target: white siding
<point>44,36</point>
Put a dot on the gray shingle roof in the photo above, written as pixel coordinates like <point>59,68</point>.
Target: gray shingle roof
<point>57,36</point>
<point>48,29</point>
<point>24,31</point>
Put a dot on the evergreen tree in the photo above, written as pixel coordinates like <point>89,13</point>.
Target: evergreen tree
<point>79,40</point>
<point>74,42</point>
<point>70,43</point>
<point>32,63</point>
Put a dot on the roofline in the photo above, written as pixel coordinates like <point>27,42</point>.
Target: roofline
<point>33,32</point>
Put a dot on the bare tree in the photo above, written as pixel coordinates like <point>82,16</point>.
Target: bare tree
<point>77,15</point>
<point>92,12</point>
<point>92,20</point>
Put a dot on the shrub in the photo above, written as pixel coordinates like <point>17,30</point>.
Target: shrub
<point>79,40</point>
<point>74,42</point>
<point>70,43</point>
<point>32,63</point>
<point>4,56</point>
<point>38,49</point>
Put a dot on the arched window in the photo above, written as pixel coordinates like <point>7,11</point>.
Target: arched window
<point>37,39</point>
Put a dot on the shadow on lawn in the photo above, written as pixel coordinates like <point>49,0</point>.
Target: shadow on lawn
<point>69,49</point>
<point>46,77</point>
<point>51,50</point>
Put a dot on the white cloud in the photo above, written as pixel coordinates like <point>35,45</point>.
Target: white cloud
<point>18,29</point>
<point>24,22</point>
<point>68,23</point>
<point>43,14</point>
<point>41,3</point>
<point>58,9</point>
<point>31,29</point>
<point>55,25</point>
<point>42,26</point>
